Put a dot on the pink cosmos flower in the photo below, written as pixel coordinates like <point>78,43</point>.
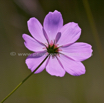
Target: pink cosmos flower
<point>59,41</point>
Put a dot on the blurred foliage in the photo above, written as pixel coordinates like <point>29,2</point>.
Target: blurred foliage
<point>43,88</point>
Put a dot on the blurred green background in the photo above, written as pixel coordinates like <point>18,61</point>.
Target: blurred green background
<point>43,88</point>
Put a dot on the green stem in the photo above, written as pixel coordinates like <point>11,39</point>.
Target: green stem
<point>23,81</point>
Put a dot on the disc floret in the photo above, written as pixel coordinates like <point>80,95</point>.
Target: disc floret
<point>52,48</point>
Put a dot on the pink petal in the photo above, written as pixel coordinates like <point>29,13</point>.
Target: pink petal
<point>35,29</point>
<point>32,44</point>
<point>33,62</point>
<point>57,37</point>
<point>69,34</point>
<point>72,67</point>
<point>54,68</point>
<point>46,36</point>
<point>52,24</point>
<point>78,51</point>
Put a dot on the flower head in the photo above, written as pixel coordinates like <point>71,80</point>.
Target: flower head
<point>59,41</point>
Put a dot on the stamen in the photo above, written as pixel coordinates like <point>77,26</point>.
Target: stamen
<point>43,48</point>
<point>56,44</point>
<point>46,44</point>
<point>58,55</point>
<point>51,44</point>
<point>59,49</point>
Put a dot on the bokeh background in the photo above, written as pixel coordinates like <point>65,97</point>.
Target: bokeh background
<point>43,88</point>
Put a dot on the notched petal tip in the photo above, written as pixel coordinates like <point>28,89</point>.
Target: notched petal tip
<point>55,11</point>
<point>75,26</point>
<point>90,50</point>
<point>23,36</point>
<point>31,19</point>
<point>79,73</point>
<point>58,75</point>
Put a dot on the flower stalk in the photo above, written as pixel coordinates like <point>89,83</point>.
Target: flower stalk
<point>23,81</point>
